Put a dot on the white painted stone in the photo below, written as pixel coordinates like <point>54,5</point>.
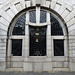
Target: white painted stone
<point>69,17</point>
<point>2,26</point>
<point>2,66</point>
<point>65,13</point>
<point>70,8</point>
<point>14,9</point>
<point>71,66</point>
<point>66,64</point>
<point>61,2</point>
<point>72,21</point>
<point>14,2</point>
<point>56,58</point>
<point>6,16</point>
<point>33,2</point>
<point>4,21</point>
<point>14,69</point>
<point>47,66</point>
<point>2,51</point>
<point>28,67</point>
<point>61,69</point>
<point>16,59</point>
<point>71,28</point>
<point>57,64</point>
<point>38,67</point>
<point>53,3</point>
<point>22,2</point>
<point>27,3</point>
<point>61,10</point>
<point>2,1</point>
<point>18,6</point>
<point>3,36</point>
<point>2,55</point>
<point>57,7</point>
<point>16,64</point>
<point>47,3</point>
<point>72,33</point>
<point>10,13</point>
<point>2,59</point>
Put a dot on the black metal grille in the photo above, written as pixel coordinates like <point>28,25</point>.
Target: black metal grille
<point>16,47</point>
<point>19,28</point>
<point>32,16</point>
<point>58,47</point>
<point>56,28</point>
<point>42,16</point>
<point>37,41</point>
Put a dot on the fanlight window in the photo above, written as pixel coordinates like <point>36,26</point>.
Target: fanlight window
<point>19,28</point>
<point>56,30</point>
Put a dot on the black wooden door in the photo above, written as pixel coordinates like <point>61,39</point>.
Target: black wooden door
<point>37,41</point>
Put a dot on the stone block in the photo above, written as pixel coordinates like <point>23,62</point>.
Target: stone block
<point>61,10</point>
<point>22,2</point>
<point>28,67</point>
<point>69,17</point>
<point>14,9</point>
<point>53,3</point>
<point>10,13</point>
<point>47,66</point>
<point>71,28</point>
<point>71,66</point>
<point>61,69</point>
<point>47,4</point>
<point>71,22</point>
<point>66,64</point>
<point>57,64</point>
<point>6,16</point>
<point>16,64</point>
<point>38,67</point>
<point>4,21</point>
<point>65,13</point>
<point>2,66</point>
<point>27,3</point>
<point>33,2</point>
<point>57,7</point>
<point>3,27</point>
<point>18,6</point>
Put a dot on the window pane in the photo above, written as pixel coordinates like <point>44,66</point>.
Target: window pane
<point>42,16</point>
<point>32,16</point>
<point>58,47</point>
<point>16,47</point>
<point>19,28</point>
<point>56,28</point>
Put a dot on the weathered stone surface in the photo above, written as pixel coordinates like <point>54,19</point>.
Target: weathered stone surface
<point>9,9</point>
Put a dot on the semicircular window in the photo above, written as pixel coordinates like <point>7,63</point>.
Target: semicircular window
<point>56,28</point>
<point>19,28</point>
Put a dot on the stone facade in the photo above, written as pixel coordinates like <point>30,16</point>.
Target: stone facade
<point>10,8</point>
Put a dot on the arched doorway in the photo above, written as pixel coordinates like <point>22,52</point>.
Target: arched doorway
<point>37,40</point>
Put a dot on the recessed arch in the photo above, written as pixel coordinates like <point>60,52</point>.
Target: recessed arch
<point>42,7</point>
<point>25,39</point>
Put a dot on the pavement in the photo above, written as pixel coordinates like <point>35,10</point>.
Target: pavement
<point>36,73</point>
